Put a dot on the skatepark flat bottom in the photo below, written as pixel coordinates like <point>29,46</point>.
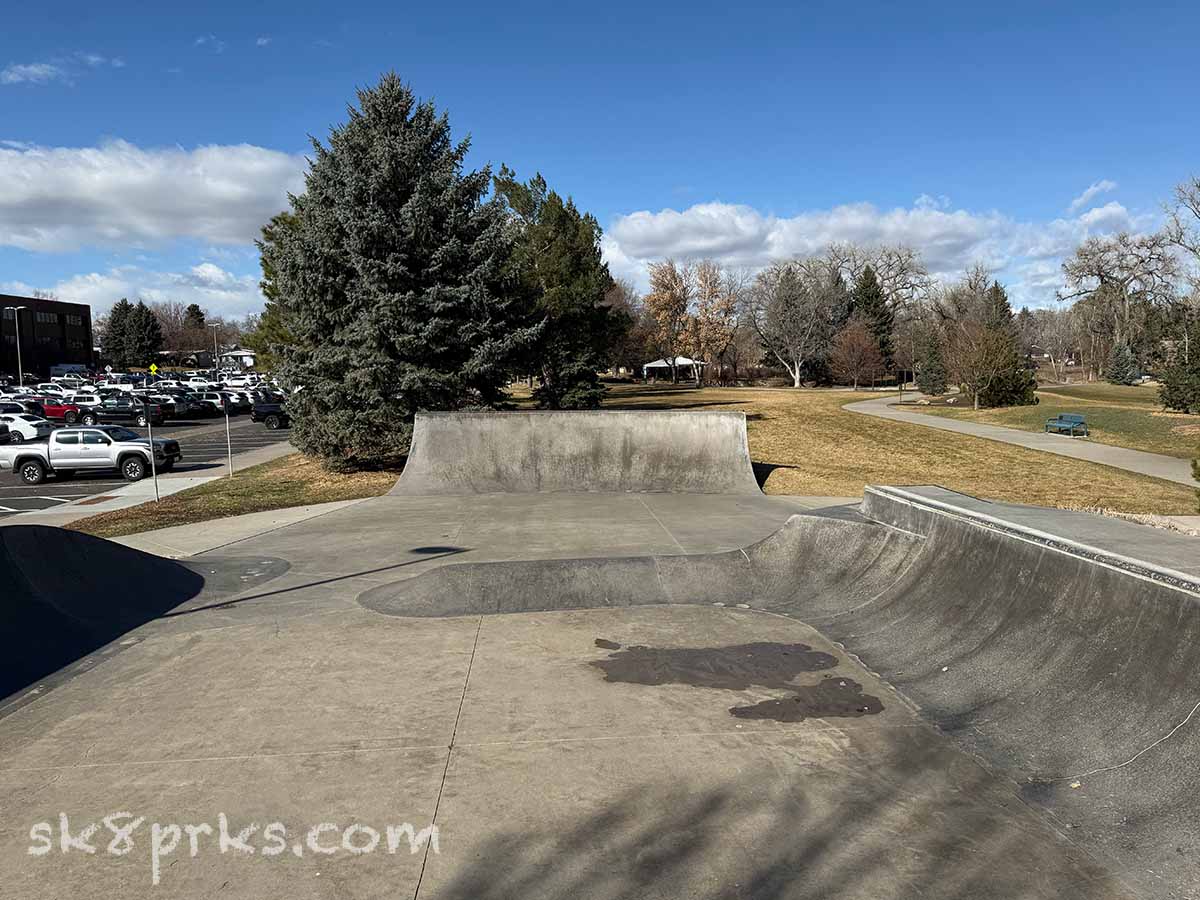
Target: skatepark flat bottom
<point>549,777</point>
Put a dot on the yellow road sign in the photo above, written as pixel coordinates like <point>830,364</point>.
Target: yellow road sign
<point>153,368</point>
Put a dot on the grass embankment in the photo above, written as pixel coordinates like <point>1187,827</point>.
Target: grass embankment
<point>822,449</point>
<point>1121,416</point>
<point>290,481</point>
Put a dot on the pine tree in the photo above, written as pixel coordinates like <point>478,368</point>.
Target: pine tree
<point>931,374</point>
<point>559,266</point>
<point>193,316</point>
<point>1015,383</point>
<point>115,332</point>
<point>1122,367</point>
<point>396,282</point>
<point>870,304</point>
<point>143,336</point>
<point>271,337</point>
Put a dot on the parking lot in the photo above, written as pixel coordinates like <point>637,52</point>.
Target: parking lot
<point>204,449</point>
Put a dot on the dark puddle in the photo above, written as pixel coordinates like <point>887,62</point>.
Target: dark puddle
<point>831,698</point>
<point>737,668</point>
<point>733,668</point>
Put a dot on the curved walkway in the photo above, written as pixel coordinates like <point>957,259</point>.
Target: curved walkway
<point>1153,464</point>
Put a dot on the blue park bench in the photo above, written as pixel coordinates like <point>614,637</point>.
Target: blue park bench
<point>1067,423</point>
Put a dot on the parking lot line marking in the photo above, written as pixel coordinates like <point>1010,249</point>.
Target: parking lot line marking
<point>59,499</point>
<point>9,509</point>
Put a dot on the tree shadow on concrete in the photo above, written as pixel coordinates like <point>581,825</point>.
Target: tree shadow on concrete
<point>911,822</point>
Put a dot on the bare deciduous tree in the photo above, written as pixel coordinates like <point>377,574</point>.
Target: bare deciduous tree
<point>854,355</point>
<point>672,288</point>
<point>1128,273</point>
<point>793,316</point>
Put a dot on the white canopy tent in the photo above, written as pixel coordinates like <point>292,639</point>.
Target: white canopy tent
<point>661,366</point>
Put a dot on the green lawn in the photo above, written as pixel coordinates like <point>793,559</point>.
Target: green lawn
<point>1117,415</point>
<point>1137,395</point>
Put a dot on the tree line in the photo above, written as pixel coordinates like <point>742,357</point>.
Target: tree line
<point>398,280</point>
<point>134,335</point>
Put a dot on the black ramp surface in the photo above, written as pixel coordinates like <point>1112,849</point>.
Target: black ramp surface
<point>1075,674</point>
<point>67,594</point>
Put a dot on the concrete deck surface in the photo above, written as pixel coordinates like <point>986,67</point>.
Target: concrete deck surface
<point>278,698</point>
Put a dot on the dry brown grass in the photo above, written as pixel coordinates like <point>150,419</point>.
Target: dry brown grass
<point>291,481</point>
<point>822,449</point>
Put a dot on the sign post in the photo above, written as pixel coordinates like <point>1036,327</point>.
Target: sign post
<point>228,438</point>
<point>153,455</point>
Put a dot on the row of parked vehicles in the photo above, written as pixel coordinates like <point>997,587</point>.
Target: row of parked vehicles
<point>30,413</point>
<point>73,424</point>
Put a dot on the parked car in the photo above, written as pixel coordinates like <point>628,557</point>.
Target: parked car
<point>273,415</point>
<point>71,450</point>
<point>217,402</point>
<point>25,427</point>
<point>84,399</point>
<point>49,388</point>
<point>58,409</point>
<point>122,410</point>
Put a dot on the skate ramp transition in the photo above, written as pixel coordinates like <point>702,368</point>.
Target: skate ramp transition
<point>556,452</point>
<point>65,595</point>
<point>1073,670</point>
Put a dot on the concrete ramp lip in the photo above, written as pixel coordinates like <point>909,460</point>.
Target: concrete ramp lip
<point>603,451</point>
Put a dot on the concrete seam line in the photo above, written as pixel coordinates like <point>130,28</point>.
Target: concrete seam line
<point>1138,568</point>
<point>449,752</point>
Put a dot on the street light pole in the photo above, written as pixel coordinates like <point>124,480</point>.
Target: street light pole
<point>17,322</point>
<point>214,326</point>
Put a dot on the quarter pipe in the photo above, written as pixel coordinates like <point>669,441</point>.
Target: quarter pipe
<point>561,452</point>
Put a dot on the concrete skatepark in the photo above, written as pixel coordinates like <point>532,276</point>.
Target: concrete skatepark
<point>589,650</point>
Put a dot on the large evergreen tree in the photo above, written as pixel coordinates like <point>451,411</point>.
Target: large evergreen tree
<point>1014,383</point>
<point>193,316</point>
<point>559,266</point>
<point>870,304</point>
<point>143,336</point>
<point>272,334</point>
<point>1122,366</point>
<point>115,331</point>
<point>396,282</point>
<point>931,366</point>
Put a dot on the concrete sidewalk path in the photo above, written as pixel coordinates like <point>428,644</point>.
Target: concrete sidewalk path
<point>1153,464</point>
<point>139,492</point>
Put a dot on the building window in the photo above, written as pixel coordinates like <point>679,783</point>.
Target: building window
<point>74,320</point>
<point>48,318</point>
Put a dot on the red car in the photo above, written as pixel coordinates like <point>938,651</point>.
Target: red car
<point>56,408</point>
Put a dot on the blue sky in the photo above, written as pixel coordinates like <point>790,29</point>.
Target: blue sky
<point>145,145</point>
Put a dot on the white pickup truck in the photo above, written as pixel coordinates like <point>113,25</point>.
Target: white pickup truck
<point>105,447</point>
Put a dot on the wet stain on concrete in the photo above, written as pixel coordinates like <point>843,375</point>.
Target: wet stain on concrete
<point>607,645</point>
<point>830,698</point>
<point>733,668</point>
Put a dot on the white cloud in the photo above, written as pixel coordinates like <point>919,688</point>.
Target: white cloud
<point>210,40</point>
<point>1026,254</point>
<point>215,289</point>
<point>262,41</point>
<point>33,73</point>
<point>120,195</point>
<point>1093,190</point>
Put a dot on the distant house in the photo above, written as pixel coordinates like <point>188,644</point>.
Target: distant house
<point>243,358</point>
